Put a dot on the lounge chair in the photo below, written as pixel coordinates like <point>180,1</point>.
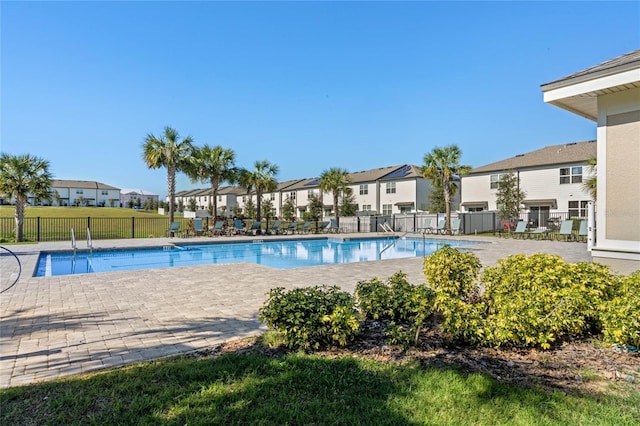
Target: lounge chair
<point>254,228</point>
<point>427,228</point>
<point>237,229</point>
<point>441,227</point>
<point>541,232</point>
<point>583,231</point>
<point>217,228</point>
<point>566,229</point>
<point>333,226</point>
<point>521,229</point>
<point>275,228</point>
<point>198,229</point>
<point>306,227</point>
<point>292,228</point>
<point>323,226</point>
<point>174,229</point>
<point>455,226</point>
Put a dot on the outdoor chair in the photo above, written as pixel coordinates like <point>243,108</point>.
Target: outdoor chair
<point>217,228</point>
<point>583,231</point>
<point>237,228</point>
<point>306,227</point>
<point>441,227</point>
<point>333,226</point>
<point>541,232</point>
<point>566,229</point>
<point>198,229</point>
<point>521,229</point>
<point>254,228</point>
<point>174,229</point>
<point>455,226</point>
<point>292,228</point>
<point>275,227</point>
<point>426,226</point>
<point>323,226</point>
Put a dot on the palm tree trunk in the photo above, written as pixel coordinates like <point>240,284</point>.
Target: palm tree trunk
<point>447,207</point>
<point>335,208</point>
<point>171,188</point>
<point>19,219</point>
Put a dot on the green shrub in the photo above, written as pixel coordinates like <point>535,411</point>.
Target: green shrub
<point>536,300</point>
<point>621,315</point>
<point>311,317</point>
<point>452,272</point>
<point>405,306</point>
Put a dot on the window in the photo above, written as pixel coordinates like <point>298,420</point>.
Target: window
<point>571,175</point>
<point>272,196</point>
<point>391,187</point>
<point>292,195</point>
<point>387,208</point>
<point>219,197</point>
<point>495,180</point>
<point>366,207</point>
<point>310,193</point>
<point>244,198</point>
<point>578,208</point>
<point>79,191</point>
<point>104,192</point>
<point>475,209</point>
<point>364,189</point>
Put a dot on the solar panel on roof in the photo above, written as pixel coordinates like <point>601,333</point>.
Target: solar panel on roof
<point>313,182</point>
<point>399,173</point>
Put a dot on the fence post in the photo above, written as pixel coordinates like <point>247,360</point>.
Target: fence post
<point>88,222</point>
<point>38,229</point>
<point>133,227</point>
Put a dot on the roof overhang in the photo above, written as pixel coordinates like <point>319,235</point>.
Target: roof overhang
<point>580,95</point>
<point>541,202</point>
<point>484,204</point>
<point>405,204</point>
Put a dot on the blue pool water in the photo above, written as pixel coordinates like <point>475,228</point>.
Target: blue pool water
<point>281,254</point>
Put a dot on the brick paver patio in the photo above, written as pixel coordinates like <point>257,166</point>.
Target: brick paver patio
<point>57,326</point>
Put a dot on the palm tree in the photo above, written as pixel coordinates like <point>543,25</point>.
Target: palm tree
<point>170,152</point>
<point>22,176</point>
<point>442,165</point>
<point>215,165</point>
<point>335,180</point>
<point>261,179</point>
<point>590,184</point>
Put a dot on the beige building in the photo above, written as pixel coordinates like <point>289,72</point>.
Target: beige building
<point>609,95</point>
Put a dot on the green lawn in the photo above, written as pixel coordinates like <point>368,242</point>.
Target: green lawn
<point>55,212</point>
<point>301,389</point>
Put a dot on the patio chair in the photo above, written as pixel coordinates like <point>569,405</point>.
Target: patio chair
<point>521,229</point>
<point>275,227</point>
<point>306,227</point>
<point>426,226</point>
<point>198,229</point>
<point>583,231</point>
<point>255,227</point>
<point>566,229</point>
<point>441,227</point>
<point>217,228</point>
<point>455,226</point>
<point>174,229</point>
<point>292,228</point>
<point>333,226</point>
<point>541,232</point>
<point>323,226</point>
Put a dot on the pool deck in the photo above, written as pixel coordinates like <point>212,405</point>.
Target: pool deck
<point>54,327</point>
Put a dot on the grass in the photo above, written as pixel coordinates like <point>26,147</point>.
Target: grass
<point>254,388</point>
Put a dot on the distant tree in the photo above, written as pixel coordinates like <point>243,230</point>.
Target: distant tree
<point>436,197</point>
<point>250,209</point>
<point>509,196</point>
<point>148,204</point>
<point>130,203</point>
<point>210,209</point>
<point>138,202</point>
<point>21,176</point>
<point>590,184</point>
<point>191,203</point>
<point>81,201</point>
<point>237,211</point>
<point>112,202</point>
<point>180,208</point>
<point>172,153</point>
<point>56,197</point>
<point>348,206</point>
<point>262,179</point>
<point>315,207</point>
<point>214,165</point>
<point>335,180</point>
<point>267,207</point>
<point>443,164</point>
<point>289,209</point>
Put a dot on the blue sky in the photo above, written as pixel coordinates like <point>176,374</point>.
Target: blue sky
<point>304,85</point>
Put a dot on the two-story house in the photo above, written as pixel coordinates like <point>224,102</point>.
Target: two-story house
<point>551,178</point>
<point>83,193</point>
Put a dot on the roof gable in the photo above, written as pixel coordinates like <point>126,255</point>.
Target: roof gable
<point>575,152</point>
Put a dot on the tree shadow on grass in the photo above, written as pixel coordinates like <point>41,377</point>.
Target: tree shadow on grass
<point>254,388</point>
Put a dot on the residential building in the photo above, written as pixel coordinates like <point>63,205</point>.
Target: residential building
<point>551,178</point>
<point>83,193</point>
<point>137,197</point>
<point>609,95</point>
<point>386,190</point>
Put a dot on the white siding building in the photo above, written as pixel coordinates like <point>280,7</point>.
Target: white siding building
<point>552,179</point>
<point>83,193</point>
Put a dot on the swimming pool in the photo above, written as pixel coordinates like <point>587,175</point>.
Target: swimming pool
<point>281,254</point>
